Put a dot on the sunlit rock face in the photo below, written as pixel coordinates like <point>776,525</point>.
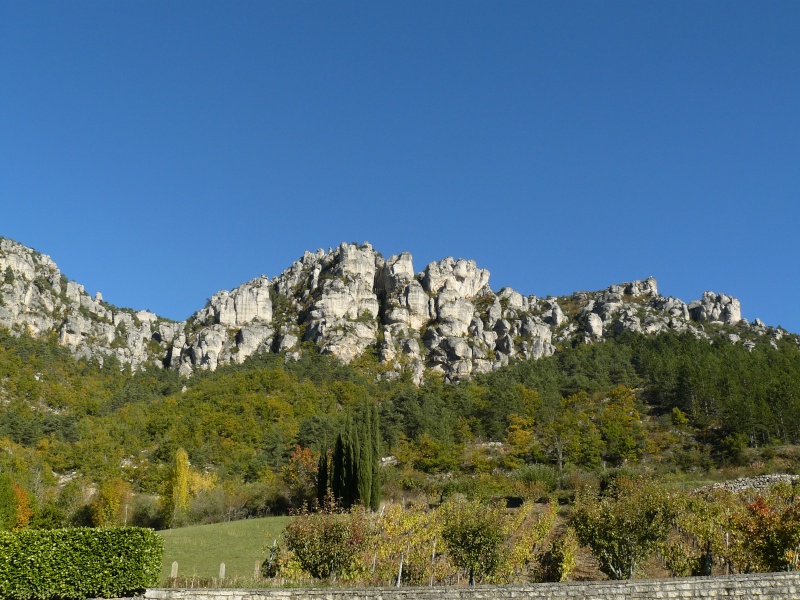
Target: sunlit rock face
<point>348,301</point>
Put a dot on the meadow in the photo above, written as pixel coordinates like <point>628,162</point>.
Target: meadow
<point>200,549</point>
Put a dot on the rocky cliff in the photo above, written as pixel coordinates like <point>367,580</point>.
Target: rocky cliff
<point>36,297</point>
<point>350,300</point>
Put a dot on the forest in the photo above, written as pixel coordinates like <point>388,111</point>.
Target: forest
<point>89,445</point>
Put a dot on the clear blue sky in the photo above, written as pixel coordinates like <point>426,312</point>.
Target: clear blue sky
<point>162,151</point>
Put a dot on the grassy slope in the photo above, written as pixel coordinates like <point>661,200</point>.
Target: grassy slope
<point>239,544</point>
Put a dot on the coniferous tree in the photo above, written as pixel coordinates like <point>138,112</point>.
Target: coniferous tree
<point>355,477</point>
<point>363,473</point>
<point>338,479</point>
<point>350,495</point>
<point>375,497</point>
<point>322,475</point>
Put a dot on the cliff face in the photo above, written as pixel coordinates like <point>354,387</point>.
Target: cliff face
<point>36,297</point>
<point>349,300</point>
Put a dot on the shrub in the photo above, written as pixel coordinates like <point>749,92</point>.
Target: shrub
<point>485,487</point>
<point>559,562</point>
<point>78,563</point>
<point>474,535</point>
<point>146,513</point>
<point>538,473</point>
<point>769,532</point>
<point>328,542</point>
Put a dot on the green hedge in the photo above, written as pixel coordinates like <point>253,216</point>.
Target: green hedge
<point>106,562</point>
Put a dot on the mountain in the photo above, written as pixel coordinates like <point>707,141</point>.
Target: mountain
<point>349,301</point>
<point>617,378</point>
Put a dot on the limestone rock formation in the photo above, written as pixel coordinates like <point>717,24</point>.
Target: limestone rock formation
<point>247,303</point>
<point>716,308</point>
<point>350,300</point>
<point>36,298</point>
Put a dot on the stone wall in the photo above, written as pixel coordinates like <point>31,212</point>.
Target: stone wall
<point>757,586</point>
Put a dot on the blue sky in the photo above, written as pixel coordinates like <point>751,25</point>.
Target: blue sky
<point>162,151</point>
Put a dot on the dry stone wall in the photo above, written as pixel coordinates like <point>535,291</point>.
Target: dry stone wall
<point>757,483</point>
<point>772,586</point>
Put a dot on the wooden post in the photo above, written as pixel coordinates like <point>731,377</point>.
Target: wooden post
<point>727,559</point>
<point>433,559</point>
<point>271,557</point>
<point>257,570</point>
<point>174,573</point>
<point>400,571</point>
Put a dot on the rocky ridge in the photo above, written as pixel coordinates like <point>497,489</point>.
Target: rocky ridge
<point>348,301</point>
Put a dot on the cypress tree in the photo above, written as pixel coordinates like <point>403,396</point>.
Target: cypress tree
<point>322,475</point>
<point>338,477</point>
<point>364,471</point>
<point>350,495</point>
<point>375,439</point>
<point>355,476</point>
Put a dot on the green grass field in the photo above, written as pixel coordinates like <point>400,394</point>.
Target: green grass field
<point>239,544</point>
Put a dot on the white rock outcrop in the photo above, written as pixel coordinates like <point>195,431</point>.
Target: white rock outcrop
<point>350,300</point>
<point>716,308</point>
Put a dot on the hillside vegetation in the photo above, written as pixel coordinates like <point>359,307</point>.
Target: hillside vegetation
<point>84,444</point>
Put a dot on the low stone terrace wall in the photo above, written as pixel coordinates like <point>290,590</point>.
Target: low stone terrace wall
<point>758,586</point>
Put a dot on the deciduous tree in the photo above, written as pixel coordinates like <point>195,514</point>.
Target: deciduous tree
<point>175,499</point>
<point>110,502</point>
<point>300,474</point>
<point>490,543</point>
<point>624,527</point>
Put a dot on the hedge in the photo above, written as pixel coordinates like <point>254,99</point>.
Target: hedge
<point>60,564</point>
